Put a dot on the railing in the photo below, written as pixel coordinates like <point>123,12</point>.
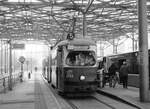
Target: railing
<point>4,81</point>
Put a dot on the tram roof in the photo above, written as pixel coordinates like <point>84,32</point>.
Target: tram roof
<point>76,42</point>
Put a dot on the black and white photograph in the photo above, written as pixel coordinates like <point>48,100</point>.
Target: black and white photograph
<point>74,54</point>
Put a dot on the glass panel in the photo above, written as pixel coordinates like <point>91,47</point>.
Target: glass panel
<point>81,58</point>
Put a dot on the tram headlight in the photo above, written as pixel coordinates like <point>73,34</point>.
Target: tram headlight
<point>82,77</point>
<point>69,74</point>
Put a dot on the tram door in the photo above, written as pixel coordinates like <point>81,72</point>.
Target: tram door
<point>53,68</point>
<point>59,68</point>
<point>54,72</point>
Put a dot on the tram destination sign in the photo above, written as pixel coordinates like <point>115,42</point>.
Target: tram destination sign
<point>82,47</point>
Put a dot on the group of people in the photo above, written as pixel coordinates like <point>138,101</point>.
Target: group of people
<point>121,73</point>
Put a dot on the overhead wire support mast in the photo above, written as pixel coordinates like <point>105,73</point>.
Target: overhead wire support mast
<point>143,51</point>
<point>84,12</point>
<point>84,26</point>
<point>84,18</point>
<point>10,65</point>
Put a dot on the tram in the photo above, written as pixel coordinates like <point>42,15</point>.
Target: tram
<point>131,58</point>
<point>74,66</point>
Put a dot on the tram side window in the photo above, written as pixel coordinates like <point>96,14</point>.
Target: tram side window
<point>78,58</point>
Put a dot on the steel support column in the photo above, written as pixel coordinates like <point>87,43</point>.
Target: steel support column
<point>143,51</point>
<point>14,63</point>
<point>1,56</point>
<point>114,47</point>
<point>84,25</point>
<point>10,65</point>
<point>101,49</point>
<point>133,42</point>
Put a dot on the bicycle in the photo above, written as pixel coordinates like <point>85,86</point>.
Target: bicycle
<point>114,79</point>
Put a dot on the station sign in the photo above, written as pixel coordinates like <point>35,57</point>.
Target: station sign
<point>18,46</point>
<point>21,59</point>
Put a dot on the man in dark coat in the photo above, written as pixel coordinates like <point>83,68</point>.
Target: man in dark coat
<point>124,71</point>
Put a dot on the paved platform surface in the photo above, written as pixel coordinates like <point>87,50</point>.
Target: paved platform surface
<point>34,94</point>
<point>130,95</point>
<point>30,94</point>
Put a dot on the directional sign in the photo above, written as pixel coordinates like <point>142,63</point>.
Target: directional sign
<point>21,59</point>
<point>18,46</point>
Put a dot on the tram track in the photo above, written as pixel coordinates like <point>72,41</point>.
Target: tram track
<point>75,105</point>
<point>59,99</point>
<point>111,107</point>
<point>95,101</point>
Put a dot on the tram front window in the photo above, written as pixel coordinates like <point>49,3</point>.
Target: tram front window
<point>80,58</point>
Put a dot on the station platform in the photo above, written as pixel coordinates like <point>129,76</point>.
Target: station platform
<point>129,95</point>
<point>29,94</point>
<point>34,94</point>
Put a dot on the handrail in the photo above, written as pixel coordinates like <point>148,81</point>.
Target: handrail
<point>6,75</point>
<point>5,80</point>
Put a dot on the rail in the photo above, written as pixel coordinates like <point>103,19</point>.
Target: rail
<point>4,81</point>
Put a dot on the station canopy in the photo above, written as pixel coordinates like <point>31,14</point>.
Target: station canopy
<point>54,19</point>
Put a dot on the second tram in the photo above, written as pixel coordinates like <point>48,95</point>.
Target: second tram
<point>132,59</point>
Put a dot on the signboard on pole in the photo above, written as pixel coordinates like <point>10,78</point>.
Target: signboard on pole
<point>18,46</point>
<point>21,59</point>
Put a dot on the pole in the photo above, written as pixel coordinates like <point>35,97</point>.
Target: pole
<point>21,79</point>
<point>114,47</point>
<point>27,65</point>
<point>14,61</point>
<point>31,61</point>
<point>143,51</point>
<point>84,25</point>
<point>10,65</point>
<point>133,41</point>
<point>1,56</point>
<point>22,67</point>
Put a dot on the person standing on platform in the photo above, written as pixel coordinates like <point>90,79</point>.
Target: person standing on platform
<point>29,75</point>
<point>124,71</point>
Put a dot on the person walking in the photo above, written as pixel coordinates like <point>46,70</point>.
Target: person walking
<point>124,71</point>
